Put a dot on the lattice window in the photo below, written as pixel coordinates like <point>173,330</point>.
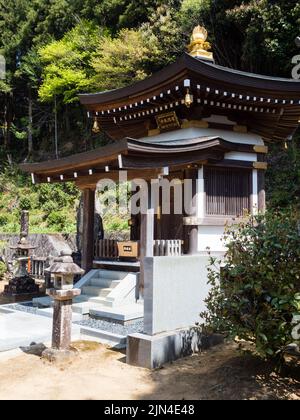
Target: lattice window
<point>228,191</point>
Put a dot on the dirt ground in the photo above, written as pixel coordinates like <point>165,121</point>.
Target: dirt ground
<point>101,374</point>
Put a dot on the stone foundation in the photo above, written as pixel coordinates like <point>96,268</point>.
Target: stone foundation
<point>24,286</point>
<point>154,351</point>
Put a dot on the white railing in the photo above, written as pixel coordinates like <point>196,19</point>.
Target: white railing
<point>108,248</point>
<point>168,248</point>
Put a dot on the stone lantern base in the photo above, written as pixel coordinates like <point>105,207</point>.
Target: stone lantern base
<point>59,356</point>
<point>21,287</point>
<point>62,325</point>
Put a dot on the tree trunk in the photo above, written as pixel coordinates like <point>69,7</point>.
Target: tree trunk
<point>29,128</point>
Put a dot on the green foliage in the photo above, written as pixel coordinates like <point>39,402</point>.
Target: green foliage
<point>59,48</point>
<point>67,63</point>
<point>52,207</point>
<point>3,269</point>
<point>283,176</point>
<point>119,61</point>
<point>257,291</point>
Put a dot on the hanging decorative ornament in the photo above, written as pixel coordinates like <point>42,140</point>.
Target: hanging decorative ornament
<point>96,127</point>
<point>189,99</point>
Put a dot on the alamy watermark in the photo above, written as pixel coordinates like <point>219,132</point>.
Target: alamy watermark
<point>2,67</point>
<point>138,196</point>
<point>296,329</point>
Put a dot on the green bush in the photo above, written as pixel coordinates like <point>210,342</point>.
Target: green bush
<point>57,219</point>
<point>3,269</point>
<point>3,219</point>
<point>256,294</point>
<point>25,203</point>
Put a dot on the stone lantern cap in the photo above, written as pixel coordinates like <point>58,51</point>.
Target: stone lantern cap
<point>23,244</point>
<point>64,265</point>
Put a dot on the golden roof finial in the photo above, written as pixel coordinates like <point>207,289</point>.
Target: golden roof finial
<point>199,47</point>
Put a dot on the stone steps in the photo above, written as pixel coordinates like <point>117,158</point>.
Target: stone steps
<point>110,274</point>
<point>96,291</point>
<point>101,302</point>
<point>104,283</point>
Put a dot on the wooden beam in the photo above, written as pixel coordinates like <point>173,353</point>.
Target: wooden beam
<point>260,165</point>
<point>261,149</point>
<point>231,163</point>
<point>92,181</point>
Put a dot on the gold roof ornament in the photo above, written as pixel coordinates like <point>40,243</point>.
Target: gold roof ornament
<point>199,47</point>
<point>96,128</point>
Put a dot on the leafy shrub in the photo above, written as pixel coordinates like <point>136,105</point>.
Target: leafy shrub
<point>3,219</point>
<point>25,203</point>
<point>256,294</point>
<point>283,176</point>
<point>50,206</point>
<point>3,269</point>
<point>57,219</point>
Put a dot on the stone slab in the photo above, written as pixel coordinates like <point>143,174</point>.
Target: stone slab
<point>175,292</point>
<point>122,314</point>
<point>20,329</point>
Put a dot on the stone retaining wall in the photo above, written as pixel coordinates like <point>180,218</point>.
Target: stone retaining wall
<point>47,245</point>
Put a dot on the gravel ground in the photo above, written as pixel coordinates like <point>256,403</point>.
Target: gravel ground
<point>24,307</point>
<point>114,328</point>
<point>119,329</point>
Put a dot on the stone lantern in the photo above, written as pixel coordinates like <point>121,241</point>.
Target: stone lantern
<point>63,270</point>
<point>22,284</point>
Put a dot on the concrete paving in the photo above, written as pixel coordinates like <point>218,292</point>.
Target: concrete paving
<point>20,329</point>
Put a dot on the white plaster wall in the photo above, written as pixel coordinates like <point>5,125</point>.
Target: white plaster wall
<point>211,237</point>
<point>190,133</point>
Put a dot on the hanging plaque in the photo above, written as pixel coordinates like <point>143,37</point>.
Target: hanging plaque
<point>167,122</point>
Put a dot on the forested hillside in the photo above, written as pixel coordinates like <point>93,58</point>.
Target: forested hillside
<point>55,49</point>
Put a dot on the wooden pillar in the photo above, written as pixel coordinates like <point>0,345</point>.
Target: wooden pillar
<point>261,181</point>
<point>191,231</point>
<point>147,233</point>
<point>261,185</point>
<point>88,229</point>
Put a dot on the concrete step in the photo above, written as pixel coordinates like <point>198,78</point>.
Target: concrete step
<point>124,314</point>
<point>96,291</point>
<point>111,274</point>
<point>104,283</point>
<point>105,337</point>
<point>101,301</point>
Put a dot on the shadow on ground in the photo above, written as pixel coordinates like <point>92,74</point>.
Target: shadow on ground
<point>223,373</point>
